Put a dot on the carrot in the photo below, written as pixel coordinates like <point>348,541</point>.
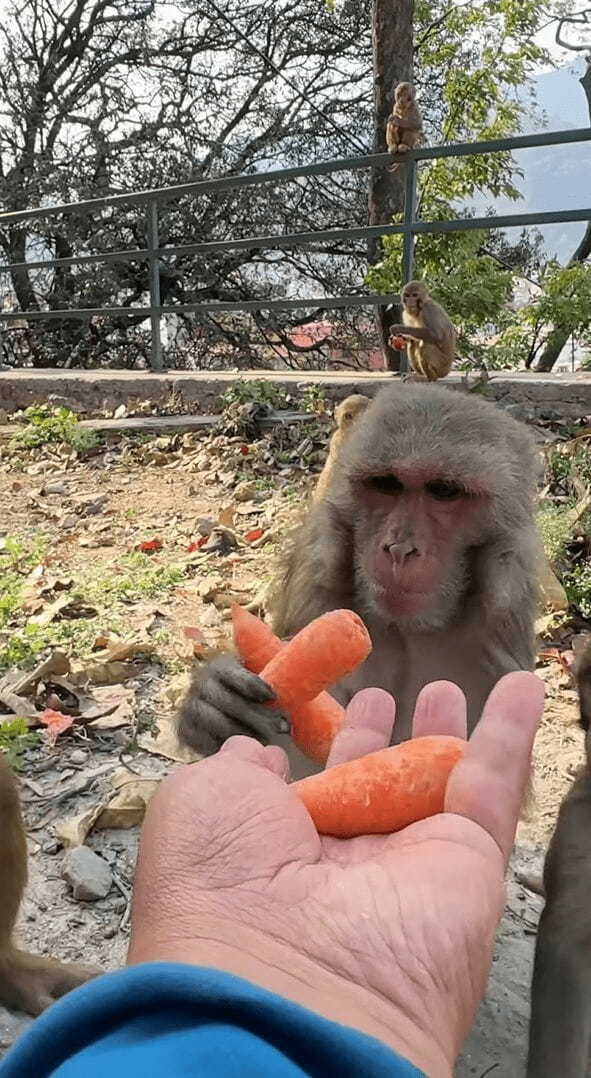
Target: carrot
<point>320,654</point>
<point>384,791</point>
<point>254,641</point>
<point>316,721</point>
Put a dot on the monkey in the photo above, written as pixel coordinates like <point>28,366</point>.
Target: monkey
<point>404,127</point>
<point>430,334</point>
<point>427,532</point>
<point>345,414</point>
<point>27,982</point>
<point>560,1024</point>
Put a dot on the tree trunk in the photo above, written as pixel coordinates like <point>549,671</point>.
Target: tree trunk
<point>392,29</point>
<point>559,336</point>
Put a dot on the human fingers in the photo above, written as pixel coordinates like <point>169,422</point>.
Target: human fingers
<point>368,724</point>
<point>440,709</point>
<point>489,782</point>
<point>271,757</point>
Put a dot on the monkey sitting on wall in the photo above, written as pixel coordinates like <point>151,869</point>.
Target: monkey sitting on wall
<point>560,1027</point>
<point>27,982</point>
<point>427,532</point>
<point>345,414</point>
<point>404,127</point>
<point>429,332</point>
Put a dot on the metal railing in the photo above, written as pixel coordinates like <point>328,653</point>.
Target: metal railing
<point>153,253</point>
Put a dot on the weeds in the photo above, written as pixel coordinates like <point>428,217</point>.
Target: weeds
<point>46,425</point>
<point>15,739</point>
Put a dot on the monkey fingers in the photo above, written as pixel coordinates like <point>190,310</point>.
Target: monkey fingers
<point>235,701</point>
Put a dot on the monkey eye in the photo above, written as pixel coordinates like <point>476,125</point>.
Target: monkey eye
<point>443,490</point>
<point>385,484</point>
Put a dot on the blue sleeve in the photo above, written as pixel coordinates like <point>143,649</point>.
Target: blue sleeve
<point>168,1019</point>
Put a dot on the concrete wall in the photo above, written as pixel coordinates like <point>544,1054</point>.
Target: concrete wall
<point>528,396</point>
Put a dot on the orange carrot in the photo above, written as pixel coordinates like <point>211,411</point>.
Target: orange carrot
<point>315,722</point>
<point>254,641</point>
<point>384,791</point>
<point>320,654</point>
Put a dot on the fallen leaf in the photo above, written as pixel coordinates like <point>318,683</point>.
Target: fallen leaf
<point>196,544</point>
<point>56,723</point>
<point>166,743</point>
<point>252,536</point>
<point>116,706</point>
<point>127,808</point>
<point>149,546</point>
<point>72,830</point>
<point>108,673</point>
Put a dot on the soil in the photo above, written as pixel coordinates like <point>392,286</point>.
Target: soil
<point>164,497</point>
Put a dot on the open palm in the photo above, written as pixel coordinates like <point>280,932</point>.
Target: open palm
<point>393,933</point>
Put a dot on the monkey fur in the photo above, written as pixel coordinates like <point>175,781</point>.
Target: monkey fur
<point>404,127</point>
<point>27,982</point>
<point>427,531</point>
<point>345,414</point>
<point>431,337</point>
<point>560,1025</point>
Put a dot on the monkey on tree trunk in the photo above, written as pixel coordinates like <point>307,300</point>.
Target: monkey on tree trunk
<point>560,1026</point>
<point>429,332</point>
<point>27,982</point>
<point>346,414</point>
<point>404,128</point>
<point>427,531</point>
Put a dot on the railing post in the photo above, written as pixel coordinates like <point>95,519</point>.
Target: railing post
<point>408,240</point>
<point>154,276</point>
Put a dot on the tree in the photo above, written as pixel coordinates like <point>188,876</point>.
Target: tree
<point>470,60</point>
<point>562,330</point>
<point>99,97</point>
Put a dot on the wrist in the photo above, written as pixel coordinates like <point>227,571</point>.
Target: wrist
<point>273,965</point>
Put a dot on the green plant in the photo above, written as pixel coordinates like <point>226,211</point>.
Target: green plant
<point>555,527</point>
<point>577,584</point>
<point>46,425</point>
<point>314,400</point>
<point>15,739</point>
<point>255,391</point>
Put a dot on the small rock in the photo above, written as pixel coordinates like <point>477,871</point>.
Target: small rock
<point>109,932</point>
<point>245,492</point>
<point>120,412</point>
<point>204,525</point>
<point>55,487</point>
<point>79,756</point>
<point>87,874</point>
<point>51,847</point>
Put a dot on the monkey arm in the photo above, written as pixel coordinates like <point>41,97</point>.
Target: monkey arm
<point>417,334</point>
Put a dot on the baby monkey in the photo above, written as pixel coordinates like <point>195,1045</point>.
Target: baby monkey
<point>404,128</point>
<point>346,415</point>
<point>428,330</point>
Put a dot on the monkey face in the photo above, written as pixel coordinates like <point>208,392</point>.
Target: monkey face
<point>421,526</point>
<point>404,94</point>
<point>413,296</point>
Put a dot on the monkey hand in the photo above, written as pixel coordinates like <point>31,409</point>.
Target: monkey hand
<point>30,983</point>
<point>225,699</point>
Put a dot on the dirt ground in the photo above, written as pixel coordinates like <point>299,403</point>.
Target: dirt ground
<point>157,491</point>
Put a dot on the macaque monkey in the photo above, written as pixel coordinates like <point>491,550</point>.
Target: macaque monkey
<point>430,334</point>
<point>427,531</point>
<point>27,982</point>
<point>345,414</point>
<point>404,127</point>
<point>560,1027</point>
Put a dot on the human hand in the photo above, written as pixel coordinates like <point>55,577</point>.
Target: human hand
<point>392,935</point>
